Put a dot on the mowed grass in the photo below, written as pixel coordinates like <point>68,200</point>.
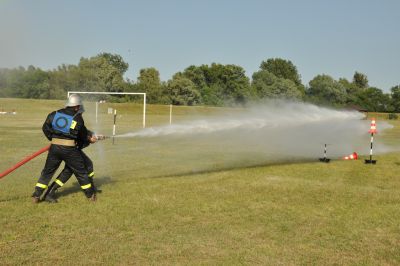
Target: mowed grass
<point>171,201</point>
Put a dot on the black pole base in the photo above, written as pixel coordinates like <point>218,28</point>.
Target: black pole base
<point>370,161</point>
<point>324,160</point>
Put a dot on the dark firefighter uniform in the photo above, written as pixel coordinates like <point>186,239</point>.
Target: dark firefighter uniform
<point>66,130</point>
<point>67,172</point>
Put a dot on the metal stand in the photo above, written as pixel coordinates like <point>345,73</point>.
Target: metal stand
<point>325,159</point>
<point>370,161</point>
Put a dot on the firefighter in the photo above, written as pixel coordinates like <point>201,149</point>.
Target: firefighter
<point>67,172</point>
<point>66,130</point>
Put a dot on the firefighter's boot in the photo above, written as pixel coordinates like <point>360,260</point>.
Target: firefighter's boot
<point>51,193</point>
<point>93,198</point>
<point>36,194</point>
<point>90,194</point>
<point>95,189</point>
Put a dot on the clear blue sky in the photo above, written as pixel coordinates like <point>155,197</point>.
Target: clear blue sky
<point>334,37</point>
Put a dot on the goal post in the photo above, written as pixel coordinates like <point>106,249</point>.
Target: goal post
<point>116,93</point>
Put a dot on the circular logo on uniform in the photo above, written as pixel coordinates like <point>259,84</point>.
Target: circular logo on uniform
<point>61,122</point>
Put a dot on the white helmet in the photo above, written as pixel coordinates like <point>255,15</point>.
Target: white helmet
<point>74,100</point>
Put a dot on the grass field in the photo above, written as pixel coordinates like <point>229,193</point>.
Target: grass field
<point>175,203</point>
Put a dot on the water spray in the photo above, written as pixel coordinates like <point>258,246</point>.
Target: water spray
<point>291,128</point>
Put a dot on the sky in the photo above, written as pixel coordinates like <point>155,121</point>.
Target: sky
<point>333,37</point>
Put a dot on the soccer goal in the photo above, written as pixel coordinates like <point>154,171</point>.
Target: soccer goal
<point>114,93</point>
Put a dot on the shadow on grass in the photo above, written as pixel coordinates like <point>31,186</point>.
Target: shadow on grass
<point>98,182</point>
<point>218,169</point>
<point>230,168</point>
<point>14,199</point>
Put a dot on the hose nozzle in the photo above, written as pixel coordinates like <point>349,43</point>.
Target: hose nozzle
<point>102,137</point>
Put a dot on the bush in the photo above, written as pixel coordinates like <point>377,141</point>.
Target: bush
<point>393,116</point>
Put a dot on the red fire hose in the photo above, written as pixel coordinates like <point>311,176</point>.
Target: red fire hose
<point>27,159</point>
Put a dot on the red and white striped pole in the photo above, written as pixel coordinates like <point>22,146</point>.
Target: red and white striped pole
<point>115,120</point>
<point>372,131</point>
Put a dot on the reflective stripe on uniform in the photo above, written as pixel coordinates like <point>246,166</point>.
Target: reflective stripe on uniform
<point>91,174</point>
<point>59,183</point>
<point>86,186</point>
<point>41,185</point>
<point>73,124</point>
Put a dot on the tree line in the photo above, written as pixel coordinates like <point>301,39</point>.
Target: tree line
<point>214,85</point>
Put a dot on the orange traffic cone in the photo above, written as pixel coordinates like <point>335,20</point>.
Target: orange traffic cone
<point>353,156</point>
<point>373,127</point>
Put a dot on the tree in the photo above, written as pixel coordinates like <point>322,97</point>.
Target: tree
<point>115,61</point>
<point>233,83</point>
<point>360,80</point>
<point>351,89</point>
<point>5,90</point>
<point>64,78</point>
<point>220,84</point>
<point>324,89</point>
<point>99,73</point>
<point>28,83</point>
<point>197,75</point>
<point>267,85</point>
<point>182,91</point>
<point>374,100</point>
<point>395,98</point>
<point>149,82</point>
<point>282,69</point>
<point>103,72</point>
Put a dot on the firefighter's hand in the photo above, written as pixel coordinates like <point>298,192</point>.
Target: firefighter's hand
<point>93,139</point>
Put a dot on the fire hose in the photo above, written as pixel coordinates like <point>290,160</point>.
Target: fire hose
<point>30,157</point>
<point>24,161</point>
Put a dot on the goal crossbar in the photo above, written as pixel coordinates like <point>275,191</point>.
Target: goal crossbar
<point>117,93</point>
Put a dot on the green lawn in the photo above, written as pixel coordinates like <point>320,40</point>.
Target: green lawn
<point>172,201</point>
